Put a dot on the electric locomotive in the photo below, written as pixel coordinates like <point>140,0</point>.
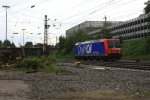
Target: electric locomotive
<point>101,49</point>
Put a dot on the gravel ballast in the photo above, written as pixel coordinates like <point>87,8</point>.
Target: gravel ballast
<point>49,86</point>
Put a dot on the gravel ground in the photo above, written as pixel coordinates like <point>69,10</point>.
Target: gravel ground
<point>51,86</point>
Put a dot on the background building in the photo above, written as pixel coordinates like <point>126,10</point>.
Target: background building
<point>88,26</point>
<point>131,29</point>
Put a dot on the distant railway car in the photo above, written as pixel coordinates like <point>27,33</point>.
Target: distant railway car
<point>102,49</point>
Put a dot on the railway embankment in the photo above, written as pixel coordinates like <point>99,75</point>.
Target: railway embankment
<point>137,49</point>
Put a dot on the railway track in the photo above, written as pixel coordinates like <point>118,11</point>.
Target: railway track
<point>117,64</point>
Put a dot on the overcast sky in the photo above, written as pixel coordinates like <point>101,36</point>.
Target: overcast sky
<point>63,13</point>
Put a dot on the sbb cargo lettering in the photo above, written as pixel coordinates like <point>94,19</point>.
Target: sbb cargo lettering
<point>85,49</point>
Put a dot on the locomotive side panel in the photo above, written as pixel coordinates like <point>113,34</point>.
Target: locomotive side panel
<point>90,49</point>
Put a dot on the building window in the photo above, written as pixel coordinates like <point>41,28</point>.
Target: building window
<point>138,21</point>
<point>142,20</point>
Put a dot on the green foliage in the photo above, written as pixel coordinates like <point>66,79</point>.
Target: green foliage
<point>41,63</point>
<point>105,32</point>
<point>61,43</point>
<point>1,59</point>
<point>81,36</point>
<point>147,94</point>
<point>13,45</point>
<point>48,63</point>
<point>29,44</point>
<point>29,63</point>
<point>40,45</point>
<point>137,48</point>
<point>147,9</point>
<point>7,43</point>
<point>52,58</point>
<point>121,39</point>
<point>53,68</point>
<point>60,55</point>
<point>67,44</point>
<point>1,43</point>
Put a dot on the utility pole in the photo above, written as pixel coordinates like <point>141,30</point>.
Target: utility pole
<point>23,51</point>
<point>6,18</point>
<point>45,34</point>
<point>45,31</point>
<point>23,37</point>
<point>105,18</point>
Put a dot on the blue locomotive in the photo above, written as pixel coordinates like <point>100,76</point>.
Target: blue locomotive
<point>102,49</point>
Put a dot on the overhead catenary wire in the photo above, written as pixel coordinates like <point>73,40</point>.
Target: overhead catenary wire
<point>124,15</point>
<point>114,13</point>
<point>19,3</point>
<point>90,13</point>
<point>72,8</point>
<point>14,5</point>
<point>139,9</point>
<point>80,13</point>
<point>85,16</point>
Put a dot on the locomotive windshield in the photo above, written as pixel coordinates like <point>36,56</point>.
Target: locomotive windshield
<point>114,44</point>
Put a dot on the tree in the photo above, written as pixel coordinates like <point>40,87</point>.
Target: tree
<point>121,39</point>
<point>29,44</point>
<point>1,43</point>
<point>13,45</point>
<point>78,36</point>
<point>61,43</point>
<point>105,32</point>
<point>147,8</point>
<point>66,44</point>
<point>81,36</point>
<point>69,44</point>
<point>39,45</point>
<point>7,43</point>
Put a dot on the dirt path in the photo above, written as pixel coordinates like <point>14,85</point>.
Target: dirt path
<point>13,90</point>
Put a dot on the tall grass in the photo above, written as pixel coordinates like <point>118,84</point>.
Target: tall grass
<point>40,63</point>
<point>137,49</point>
<point>61,55</point>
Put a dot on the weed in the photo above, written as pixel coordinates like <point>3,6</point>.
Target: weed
<point>137,49</point>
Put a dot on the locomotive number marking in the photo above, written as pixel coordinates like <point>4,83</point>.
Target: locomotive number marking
<point>85,49</point>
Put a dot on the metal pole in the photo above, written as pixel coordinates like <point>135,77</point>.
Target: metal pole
<point>6,23</point>
<point>6,18</point>
<point>23,37</point>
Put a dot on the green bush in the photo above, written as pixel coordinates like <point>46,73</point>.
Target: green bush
<point>136,49</point>
<point>29,63</point>
<point>41,63</point>
<point>1,59</point>
<point>52,58</point>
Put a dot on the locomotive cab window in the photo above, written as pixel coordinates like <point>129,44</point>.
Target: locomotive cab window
<point>114,44</point>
